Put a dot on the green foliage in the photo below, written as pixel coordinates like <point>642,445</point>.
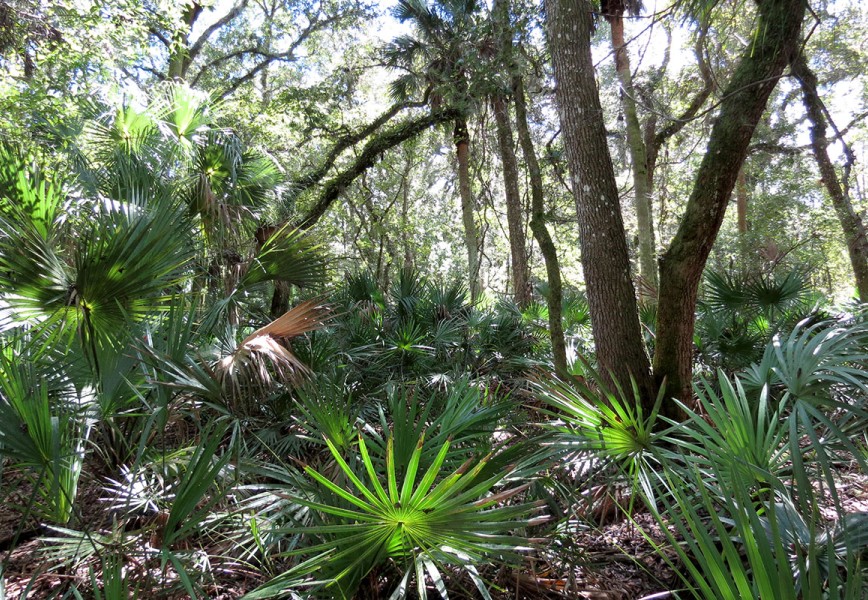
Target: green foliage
<point>729,498</point>
<point>739,315</point>
<point>746,463</point>
<point>423,519</point>
<point>42,435</point>
<point>594,423</point>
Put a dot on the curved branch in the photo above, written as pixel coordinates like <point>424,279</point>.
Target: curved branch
<point>225,20</point>
<point>368,157</point>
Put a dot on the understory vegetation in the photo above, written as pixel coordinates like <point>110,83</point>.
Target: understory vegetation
<point>378,443</point>
<point>292,307</point>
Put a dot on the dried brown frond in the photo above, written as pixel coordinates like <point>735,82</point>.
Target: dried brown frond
<point>263,360</point>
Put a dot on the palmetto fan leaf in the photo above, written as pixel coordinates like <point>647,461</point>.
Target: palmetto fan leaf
<point>125,133</point>
<point>228,184</point>
<point>723,292</point>
<point>422,519</point>
<point>775,295</point>
<point>815,360</point>
<point>288,255</point>
<point>183,114</point>
<point>418,11</point>
<point>121,268</point>
<point>28,196</point>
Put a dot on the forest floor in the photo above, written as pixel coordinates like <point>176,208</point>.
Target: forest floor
<point>614,561</point>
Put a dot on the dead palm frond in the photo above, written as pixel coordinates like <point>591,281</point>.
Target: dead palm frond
<point>263,360</point>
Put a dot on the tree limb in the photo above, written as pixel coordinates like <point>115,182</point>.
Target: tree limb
<point>368,156</point>
<point>225,20</point>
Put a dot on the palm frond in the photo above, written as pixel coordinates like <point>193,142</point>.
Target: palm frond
<point>262,359</point>
<point>288,255</point>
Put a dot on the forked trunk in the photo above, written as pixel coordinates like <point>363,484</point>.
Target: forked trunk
<point>742,106</point>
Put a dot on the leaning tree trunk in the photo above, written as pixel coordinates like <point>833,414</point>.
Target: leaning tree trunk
<point>605,260</point>
<point>541,232</point>
<point>851,222</point>
<point>744,101</point>
<point>514,212</point>
<point>635,144</point>
<point>468,212</point>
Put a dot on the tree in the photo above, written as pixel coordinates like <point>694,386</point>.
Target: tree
<point>609,291</point>
<point>540,230</point>
<point>744,100</point>
<point>230,53</point>
<point>613,11</point>
<point>439,60</point>
<point>605,261</point>
<point>515,214</point>
<point>851,222</point>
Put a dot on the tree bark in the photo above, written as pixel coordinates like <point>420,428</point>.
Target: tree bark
<point>605,260</point>
<point>179,54</point>
<point>851,222</point>
<point>461,137</point>
<point>741,203</point>
<point>744,101</point>
<point>636,145</point>
<point>515,216</point>
<point>541,232</point>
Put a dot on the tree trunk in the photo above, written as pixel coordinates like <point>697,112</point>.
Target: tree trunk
<point>851,222</point>
<point>636,145</point>
<point>605,261</point>
<point>515,216</point>
<point>468,212</point>
<point>741,203</point>
<point>541,232</point>
<point>179,54</point>
<point>744,101</point>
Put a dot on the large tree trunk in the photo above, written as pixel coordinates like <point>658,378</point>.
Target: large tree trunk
<point>744,101</point>
<point>635,144</point>
<point>515,216</point>
<point>468,210</point>
<point>605,260</point>
<point>851,222</point>
<point>541,232</point>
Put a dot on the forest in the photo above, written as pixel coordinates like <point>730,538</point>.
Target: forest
<point>433,299</point>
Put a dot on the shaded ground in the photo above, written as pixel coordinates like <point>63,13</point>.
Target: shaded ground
<point>610,562</point>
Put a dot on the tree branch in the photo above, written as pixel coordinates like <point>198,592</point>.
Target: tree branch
<point>315,176</point>
<point>225,20</point>
<point>368,156</point>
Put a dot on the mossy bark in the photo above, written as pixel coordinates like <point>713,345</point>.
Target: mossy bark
<point>744,100</point>
<point>850,220</point>
<point>540,231</point>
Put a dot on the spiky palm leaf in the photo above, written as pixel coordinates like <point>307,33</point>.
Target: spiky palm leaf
<point>422,523</point>
<point>118,269</point>
<point>289,255</point>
